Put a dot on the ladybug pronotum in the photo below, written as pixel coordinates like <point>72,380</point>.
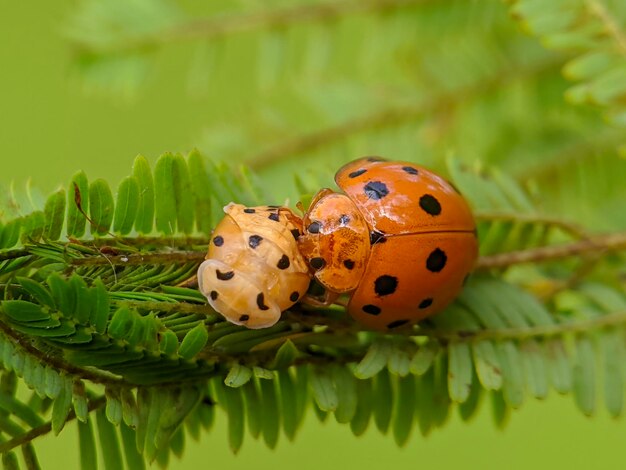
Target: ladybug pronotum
<point>399,241</point>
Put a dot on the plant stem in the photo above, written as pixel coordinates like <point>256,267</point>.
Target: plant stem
<point>604,321</point>
<point>390,117</point>
<point>613,29</point>
<point>46,428</point>
<point>599,243</point>
<point>565,225</point>
<point>225,25</point>
<point>142,258</point>
<point>24,342</point>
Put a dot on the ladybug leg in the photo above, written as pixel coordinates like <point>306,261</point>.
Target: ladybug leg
<point>328,298</point>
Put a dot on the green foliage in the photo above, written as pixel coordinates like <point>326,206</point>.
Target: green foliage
<point>97,318</point>
<point>112,335</point>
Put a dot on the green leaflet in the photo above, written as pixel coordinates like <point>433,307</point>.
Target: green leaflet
<point>459,371</point>
<point>238,375</point>
<point>61,406</point>
<point>584,376</point>
<point>22,311</point>
<point>285,355</point>
<point>144,218</point>
<point>184,195</point>
<point>193,342</point>
<point>10,233</point>
<point>383,399</point>
<point>53,215</point>
<point>374,360</point>
<point>101,207</point>
<point>403,413</point>
<point>202,192</point>
<point>77,201</point>
<point>270,414</point>
<point>361,419</point>
<point>109,442</point>
<point>288,403</point>
<point>165,209</point>
<point>232,401</point>
<point>126,205</point>
<point>87,445</point>
<point>345,386</point>
<point>134,460</point>
<point>324,390</point>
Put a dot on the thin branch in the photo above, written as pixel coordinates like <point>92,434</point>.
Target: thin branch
<point>225,25</point>
<point>596,244</point>
<point>142,258</point>
<point>573,229</point>
<point>390,117</point>
<point>599,10</point>
<point>25,342</point>
<point>604,321</point>
<point>46,428</point>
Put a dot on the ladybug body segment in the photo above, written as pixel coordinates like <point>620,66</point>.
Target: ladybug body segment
<point>253,269</point>
<point>414,245</point>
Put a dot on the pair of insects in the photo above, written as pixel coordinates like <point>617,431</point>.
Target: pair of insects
<point>400,240</point>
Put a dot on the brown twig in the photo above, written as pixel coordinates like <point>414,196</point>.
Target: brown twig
<point>389,117</point>
<point>579,326</point>
<point>596,244</point>
<point>225,25</point>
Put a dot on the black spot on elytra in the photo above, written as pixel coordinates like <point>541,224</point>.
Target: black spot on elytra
<point>356,173</point>
<point>385,285</point>
<point>283,262</point>
<point>410,170</point>
<point>397,323</point>
<point>375,190</point>
<point>248,210</point>
<point>228,275</point>
<point>371,309</point>
<point>273,207</point>
<point>436,260</point>
<point>218,241</point>
<point>294,296</point>
<point>314,227</point>
<point>254,240</point>
<point>349,264</point>
<point>430,204</point>
<point>344,219</point>
<point>213,295</point>
<point>377,237</point>
<point>317,263</point>
<point>260,302</point>
<point>376,159</point>
<point>243,318</point>
<point>274,217</point>
<point>426,303</point>
<point>296,233</point>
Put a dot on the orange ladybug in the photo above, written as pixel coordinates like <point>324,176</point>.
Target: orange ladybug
<point>253,269</point>
<point>400,242</point>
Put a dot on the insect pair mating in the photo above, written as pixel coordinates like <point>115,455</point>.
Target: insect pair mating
<point>400,240</point>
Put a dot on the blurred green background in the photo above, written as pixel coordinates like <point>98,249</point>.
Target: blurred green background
<point>51,126</point>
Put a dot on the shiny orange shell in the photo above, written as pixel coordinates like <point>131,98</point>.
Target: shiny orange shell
<point>419,247</point>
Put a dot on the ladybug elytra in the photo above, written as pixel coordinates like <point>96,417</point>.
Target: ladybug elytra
<point>400,241</point>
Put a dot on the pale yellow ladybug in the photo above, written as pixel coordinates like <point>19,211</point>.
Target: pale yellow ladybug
<point>254,269</point>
